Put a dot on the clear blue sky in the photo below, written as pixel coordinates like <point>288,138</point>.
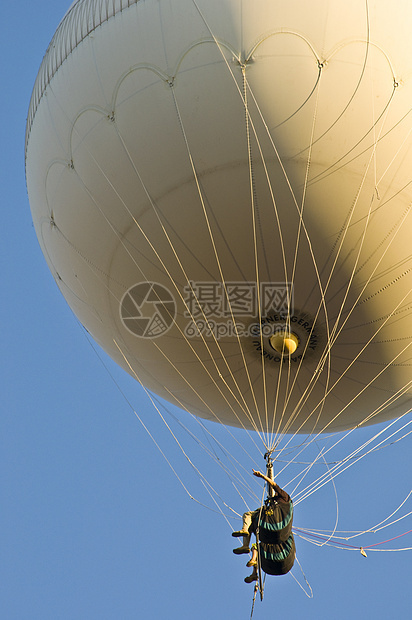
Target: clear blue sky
<point>93,523</point>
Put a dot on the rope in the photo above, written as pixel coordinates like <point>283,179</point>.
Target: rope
<point>165,268</point>
<point>351,459</point>
<point>255,246</point>
<point>310,595</point>
<point>211,236</point>
<point>346,546</point>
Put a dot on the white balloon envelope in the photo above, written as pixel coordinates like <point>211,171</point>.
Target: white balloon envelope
<point>222,190</point>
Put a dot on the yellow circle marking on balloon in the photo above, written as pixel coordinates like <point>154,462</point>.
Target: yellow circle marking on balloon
<point>284,342</point>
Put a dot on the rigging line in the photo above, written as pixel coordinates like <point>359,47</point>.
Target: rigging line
<point>145,426</point>
<point>313,541</point>
<point>301,223</point>
<point>374,139</point>
<point>182,406</point>
<point>224,450</point>
<point>305,183</point>
<point>255,497</point>
<point>377,248</point>
<point>210,435</point>
<point>250,124</point>
<point>381,407</point>
<point>266,128</point>
<point>232,476</point>
<point>212,357</point>
<point>407,136</point>
<point>279,159</point>
<point>336,333</point>
<point>343,547</point>
<point>331,338</point>
<point>308,390</point>
<point>247,413</point>
<point>391,400</point>
<point>151,246</point>
<point>211,236</point>
<point>181,332</point>
<point>111,291</point>
<point>315,376</point>
<point>288,389</point>
<point>354,268</point>
<point>339,544</point>
<point>329,171</point>
<point>361,447</point>
<point>343,437</point>
<point>306,394</point>
<point>357,450</point>
<point>393,550</point>
<point>337,472</point>
<point>386,541</point>
<point>382,524</point>
<point>356,302</point>
<point>234,462</point>
<point>371,530</point>
<point>271,140</point>
<point>349,534</point>
<point>172,280</point>
<point>380,527</point>
<point>318,540</point>
<point>337,504</point>
<point>112,294</point>
<point>302,475</point>
<point>283,31</point>
<point>312,381</point>
<point>255,591</point>
<point>258,548</point>
<point>371,451</point>
<point>361,76</point>
<point>219,510</point>
<point>364,65</point>
<point>255,248</point>
<point>219,46</point>
<point>228,472</point>
<point>325,359</point>
<point>390,363</point>
<point>182,376</point>
<point>303,104</point>
<point>201,476</point>
<point>209,451</point>
<point>293,462</point>
<point>304,447</point>
<point>273,200</point>
<point>310,595</point>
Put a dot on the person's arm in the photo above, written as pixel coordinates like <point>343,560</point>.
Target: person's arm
<point>282,494</point>
<point>259,474</point>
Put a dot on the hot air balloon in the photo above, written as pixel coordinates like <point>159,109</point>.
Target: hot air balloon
<point>222,192</point>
